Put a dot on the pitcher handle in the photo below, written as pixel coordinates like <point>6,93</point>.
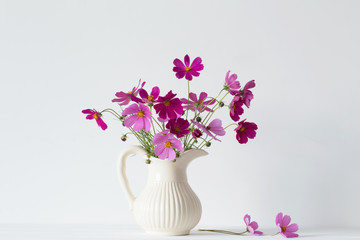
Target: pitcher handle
<point>121,166</point>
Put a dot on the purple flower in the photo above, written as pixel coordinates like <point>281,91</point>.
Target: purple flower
<point>198,104</point>
<point>213,127</point>
<point>251,226</point>
<point>93,114</point>
<point>196,133</point>
<point>146,98</point>
<point>140,117</point>
<point>245,130</point>
<point>168,107</point>
<point>231,85</point>
<point>236,108</point>
<point>246,94</point>
<point>183,69</point>
<point>165,143</point>
<point>124,98</point>
<point>285,229</point>
<point>179,127</point>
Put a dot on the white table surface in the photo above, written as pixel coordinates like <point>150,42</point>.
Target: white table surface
<point>107,232</point>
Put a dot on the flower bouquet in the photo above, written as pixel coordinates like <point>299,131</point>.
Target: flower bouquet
<point>166,125</point>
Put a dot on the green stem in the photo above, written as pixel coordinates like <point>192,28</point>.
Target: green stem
<point>275,234</point>
<point>230,125</point>
<point>109,110</point>
<point>223,231</point>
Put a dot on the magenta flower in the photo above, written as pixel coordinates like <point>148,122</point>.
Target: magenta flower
<point>124,98</point>
<point>198,104</point>
<point>140,117</point>
<point>285,229</point>
<point>168,107</point>
<point>146,98</point>
<point>246,94</point>
<point>196,133</point>
<point>93,114</point>
<point>251,226</point>
<point>179,127</point>
<point>236,108</point>
<point>213,127</point>
<point>245,130</point>
<point>165,143</point>
<point>183,69</point>
<point>231,85</point>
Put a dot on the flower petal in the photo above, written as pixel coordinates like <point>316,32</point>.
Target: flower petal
<point>292,228</point>
<point>290,234</point>
<point>278,219</point>
<point>133,108</point>
<point>172,154</point>
<point>139,124</point>
<point>254,225</point>
<point>159,150</point>
<point>247,219</point>
<point>101,123</point>
<point>187,60</point>
<point>130,120</point>
<point>179,64</point>
<point>285,221</point>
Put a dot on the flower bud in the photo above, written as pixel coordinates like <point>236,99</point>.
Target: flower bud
<point>198,119</point>
<point>123,138</point>
<point>148,161</point>
<point>221,104</point>
<point>208,144</point>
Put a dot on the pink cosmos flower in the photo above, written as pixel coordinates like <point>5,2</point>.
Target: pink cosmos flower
<point>213,127</point>
<point>236,108</point>
<point>146,98</point>
<point>179,127</point>
<point>246,94</point>
<point>198,104</point>
<point>140,117</point>
<point>196,133</point>
<point>183,69</point>
<point>231,85</point>
<point>285,229</point>
<point>124,98</point>
<point>168,107</point>
<point>251,226</point>
<point>93,114</point>
<point>245,130</point>
<point>165,143</point>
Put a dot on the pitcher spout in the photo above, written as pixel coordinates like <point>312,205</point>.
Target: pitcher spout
<point>191,154</point>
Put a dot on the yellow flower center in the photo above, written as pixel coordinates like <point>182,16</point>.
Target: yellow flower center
<point>150,98</point>
<point>140,113</point>
<point>168,144</point>
<point>283,229</point>
<point>167,103</point>
<point>176,129</point>
<point>130,92</point>
<point>188,69</point>
<point>208,127</point>
<point>95,116</point>
<point>242,129</point>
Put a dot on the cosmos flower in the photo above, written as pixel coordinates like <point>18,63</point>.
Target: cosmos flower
<point>179,127</point>
<point>198,104</point>
<point>214,127</point>
<point>251,226</point>
<point>165,143</point>
<point>93,114</point>
<point>282,222</point>
<point>246,94</point>
<point>245,130</point>
<point>124,98</point>
<point>231,84</point>
<point>149,98</point>
<point>140,117</point>
<point>236,108</point>
<point>168,107</point>
<point>183,69</point>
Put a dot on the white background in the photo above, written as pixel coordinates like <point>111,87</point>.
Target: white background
<point>59,57</point>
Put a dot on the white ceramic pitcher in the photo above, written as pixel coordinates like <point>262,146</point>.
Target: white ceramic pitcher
<point>167,205</point>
